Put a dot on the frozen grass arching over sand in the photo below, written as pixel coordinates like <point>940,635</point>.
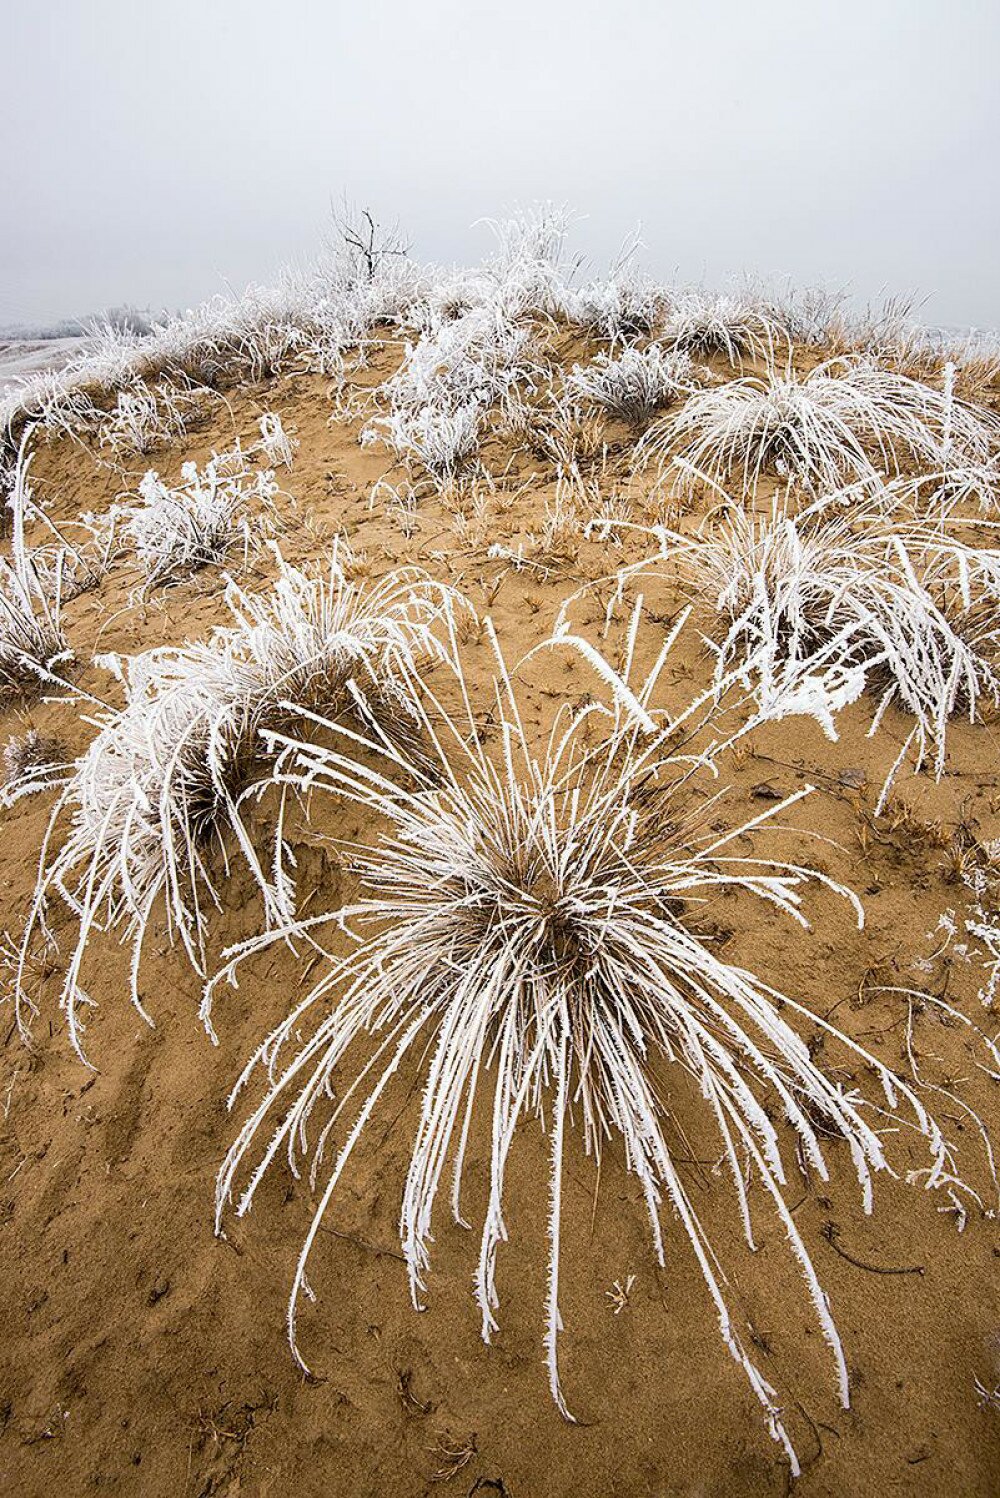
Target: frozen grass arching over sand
<point>166,782</point>
<point>849,420</point>
<point>522,940</point>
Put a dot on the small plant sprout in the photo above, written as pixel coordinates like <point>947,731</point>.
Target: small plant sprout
<point>989,1399</point>
<point>523,948</point>
<point>619,1294</point>
<point>160,797</point>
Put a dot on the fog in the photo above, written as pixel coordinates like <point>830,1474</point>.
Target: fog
<point>156,151</point>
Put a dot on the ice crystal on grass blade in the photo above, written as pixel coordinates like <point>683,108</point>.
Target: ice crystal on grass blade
<point>167,780</point>
<point>523,940</point>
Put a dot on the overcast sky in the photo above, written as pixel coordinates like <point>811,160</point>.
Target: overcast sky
<point>154,150</point>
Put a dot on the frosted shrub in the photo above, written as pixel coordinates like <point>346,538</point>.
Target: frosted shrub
<point>174,531</point>
<point>146,417</point>
<point>443,441</point>
<point>728,327</point>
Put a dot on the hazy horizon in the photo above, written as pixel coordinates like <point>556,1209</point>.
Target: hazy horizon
<point>157,155</point>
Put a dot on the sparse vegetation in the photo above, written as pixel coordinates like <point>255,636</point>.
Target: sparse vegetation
<point>486,856</point>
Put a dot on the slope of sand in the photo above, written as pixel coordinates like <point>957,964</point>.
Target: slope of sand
<point>140,1354</point>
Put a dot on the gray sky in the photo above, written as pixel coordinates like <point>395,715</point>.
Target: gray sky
<point>156,149</point>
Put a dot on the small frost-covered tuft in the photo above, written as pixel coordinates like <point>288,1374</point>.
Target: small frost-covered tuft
<point>443,441</point>
<point>32,642</point>
<point>146,416</point>
<point>618,309</point>
<point>174,531</point>
<point>32,762</point>
<point>275,443</point>
<point>633,386</point>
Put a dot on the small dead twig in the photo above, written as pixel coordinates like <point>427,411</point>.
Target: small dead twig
<point>404,1389</point>
<point>362,1243</point>
<point>831,1233</point>
<point>453,1455</point>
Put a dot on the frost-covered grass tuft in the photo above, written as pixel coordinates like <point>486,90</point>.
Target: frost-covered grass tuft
<point>448,380</point>
<point>32,642</point>
<point>32,762</point>
<point>174,531</point>
<point>480,357</point>
<point>162,791</point>
<point>844,421</point>
<point>528,270</point>
<point>729,327</point>
<point>146,416</point>
<point>913,613</point>
<point>633,386</point>
<point>524,949</point>
<point>275,443</point>
<point>443,441</point>
<point>619,308</point>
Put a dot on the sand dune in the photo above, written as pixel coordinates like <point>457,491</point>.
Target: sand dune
<point>142,1353</point>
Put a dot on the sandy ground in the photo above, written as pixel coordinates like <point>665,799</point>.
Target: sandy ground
<point>141,1355</point>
